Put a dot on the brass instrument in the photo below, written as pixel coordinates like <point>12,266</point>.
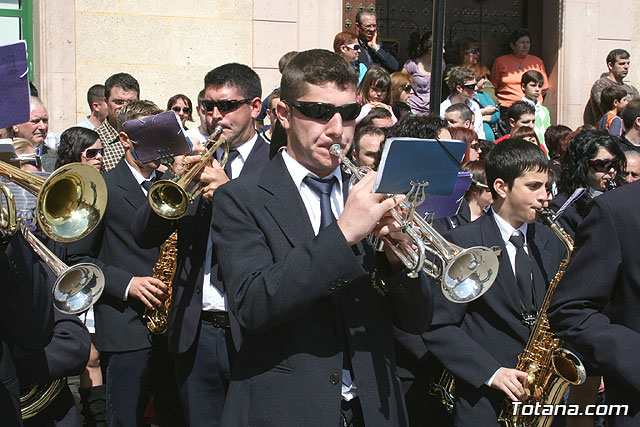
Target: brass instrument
<point>464,274</point>
<point>550,369</point>
<point>444,389</point>
<point>39,396</point>
<point>169,197</point>
<point>165,270</point>
<point>70,202</point>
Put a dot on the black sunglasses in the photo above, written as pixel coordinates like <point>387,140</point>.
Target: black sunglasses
<point>90,153</point>
<point>225,105</point>
<point>178,108</point>
<point>470,86</point>
<point>322,111</point>
<point>603,165</point>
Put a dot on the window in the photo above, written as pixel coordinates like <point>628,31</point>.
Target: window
<point>16,23</point>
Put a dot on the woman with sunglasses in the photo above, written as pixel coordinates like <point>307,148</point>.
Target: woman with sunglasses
<point>375,91</point>
<point>593,160</point>
<point>346,45</point>
<point>469,137</point>
<point>182,106</point>
<point>401,91</point>
<point>463,87</point>
<point>81,145</point>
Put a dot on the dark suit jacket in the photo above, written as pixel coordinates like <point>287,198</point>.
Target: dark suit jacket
<point>596,306</point>
<point>150,231</point>
<point>66,354</point>
<point>383,58</point>
<point>280,281</point>
<point>119,323</point>
<point>26,317</point>
<point>473,340</point>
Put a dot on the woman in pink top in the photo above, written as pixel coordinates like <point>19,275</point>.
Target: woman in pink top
<point>507,70</point>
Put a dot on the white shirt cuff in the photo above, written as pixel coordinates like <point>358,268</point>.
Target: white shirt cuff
<point>126,291</point>
<point>490,380</point>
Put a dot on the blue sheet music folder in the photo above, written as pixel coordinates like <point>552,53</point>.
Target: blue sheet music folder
<point>419,160</point>
<point>14,84</point>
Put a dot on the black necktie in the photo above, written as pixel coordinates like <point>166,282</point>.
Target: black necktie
<point>323,187</point>
<point>147,184</point>
<point>523,275</point>
<point>233,153</point>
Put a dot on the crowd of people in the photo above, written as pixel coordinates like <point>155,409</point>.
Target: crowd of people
<point>282,312</point>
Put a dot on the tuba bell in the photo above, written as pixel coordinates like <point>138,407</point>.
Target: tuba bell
<point>169,198</point>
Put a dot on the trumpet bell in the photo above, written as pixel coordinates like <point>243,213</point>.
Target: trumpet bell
<point>71,202</point>
<point>470,274</point>
<point>78,288</point>
<point>168,199</point>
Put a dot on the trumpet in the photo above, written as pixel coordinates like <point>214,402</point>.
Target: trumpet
<point>464,274</point>
<point>169,197</point>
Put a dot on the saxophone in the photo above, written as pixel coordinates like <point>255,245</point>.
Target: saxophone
<point>164,270</point>
<point>550,369</point>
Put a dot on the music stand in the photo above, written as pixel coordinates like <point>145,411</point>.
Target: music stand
<point>437,207</point>
<point>158,137</point>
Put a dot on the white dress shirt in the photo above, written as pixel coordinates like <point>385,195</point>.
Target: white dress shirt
<point>311,202</point>
<point>477,115</point>
<point>506,231</point>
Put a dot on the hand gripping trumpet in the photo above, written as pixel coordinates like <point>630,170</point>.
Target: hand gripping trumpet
<point>464,274</point>
<point>169,198</point>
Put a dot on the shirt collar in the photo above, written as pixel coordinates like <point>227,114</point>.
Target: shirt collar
<point>244,149</point>
<point>137,175</point>
<point>527,100</point>
<point>506,230</point>
<point>298,172</point>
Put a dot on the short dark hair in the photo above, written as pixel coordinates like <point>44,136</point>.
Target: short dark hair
<point>361,13</point>
<point>375,113</point>
<point>519,109</point>
<point>518,33</point>
<point>285,59</point>
<point>124,81</point>
<point>73,142</point>
<point>95,94</point>
<point>465,112</point>
<point>510,158</point>
<point>135,110</point>
<point>235,75</point>
<point>185,99</point>
<point>612,57</point>
<point>532,76</point>
<point>414,126</point>
<point>458,76</point>
<point>631,113</point>
<point>610,94</point>
<point>366,130</point>
<point>316,67</point>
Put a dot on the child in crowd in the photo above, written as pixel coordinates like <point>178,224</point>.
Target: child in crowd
<point>613,100</point>
<point>532,83</point>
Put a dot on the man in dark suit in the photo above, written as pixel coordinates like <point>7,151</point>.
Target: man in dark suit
<point>595,308</point>
<point>199,324</point>
<point>479,342</point>
<point>134,361</point>
<point>317,336</point>
<point>26,316</point>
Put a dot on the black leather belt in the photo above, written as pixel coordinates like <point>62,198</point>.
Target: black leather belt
<point>219,319</point>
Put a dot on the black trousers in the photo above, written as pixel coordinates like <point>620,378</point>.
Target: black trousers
<point>132,377</point>
<point>203,374</point>
<point>351,414</point>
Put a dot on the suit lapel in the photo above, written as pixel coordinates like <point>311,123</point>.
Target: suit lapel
<point>285,204</point>
<point>543,268</point>
<point>506,280</point>
<point>131,191</point>
<point>257,158</point>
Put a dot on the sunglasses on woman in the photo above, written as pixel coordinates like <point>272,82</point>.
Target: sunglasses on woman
<point>354,46</point>
<point>603,165</point>
<point>322,111</point>
<point>178,108</point>
<point>91,153</point>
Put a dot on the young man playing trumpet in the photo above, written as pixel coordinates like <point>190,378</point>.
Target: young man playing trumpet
<point>136,363</point>
<point>479,342</point>
<point>317,336</point>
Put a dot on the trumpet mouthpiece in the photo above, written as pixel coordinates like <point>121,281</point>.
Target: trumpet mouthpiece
<point>335,150</point>
<point>217,131</point>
